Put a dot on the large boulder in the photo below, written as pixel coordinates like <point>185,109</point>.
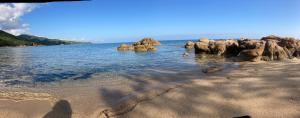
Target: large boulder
<point>271,37</point>
<point>274,51</point>
<point>125,47</point>
<point>268,48</point>
<point>288,44</point>
<point>218,47</point>
<point>247,44</point>
<point>189,45</point>
<point>202,48</point>
<point>232,48</point>
<point>253,54</point>
<point>148,41</point>
<point>297,51</point>
<point>204,40</point>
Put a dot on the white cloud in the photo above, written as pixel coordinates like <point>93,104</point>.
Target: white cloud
<point>10,14</point>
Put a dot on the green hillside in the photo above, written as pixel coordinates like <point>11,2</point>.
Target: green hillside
<point>44,41</point>
<point>7,39</point>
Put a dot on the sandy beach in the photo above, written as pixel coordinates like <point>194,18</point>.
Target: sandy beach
<point>261,89</point>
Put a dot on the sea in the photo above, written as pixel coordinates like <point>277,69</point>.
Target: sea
<point>48,64</point>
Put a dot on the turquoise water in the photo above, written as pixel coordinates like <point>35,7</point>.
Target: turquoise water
<point>55,63</point>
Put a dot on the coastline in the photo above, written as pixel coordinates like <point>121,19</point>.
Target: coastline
<point>252,89</point>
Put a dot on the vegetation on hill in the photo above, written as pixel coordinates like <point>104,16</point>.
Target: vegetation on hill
<point>7,39</point>
<point>44,41</point>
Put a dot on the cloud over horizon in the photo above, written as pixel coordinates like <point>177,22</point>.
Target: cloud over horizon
<point>10,18</point>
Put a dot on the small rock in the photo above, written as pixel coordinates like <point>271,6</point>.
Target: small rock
<point>185,54</point>
<point>212,69</point>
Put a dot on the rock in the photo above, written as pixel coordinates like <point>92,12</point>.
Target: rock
<point>151,48</point>
<point>218,48</point>
<point>232,48</point>
<point>297,51</point>
<point>148,41</point>
<point>144,48</point>
<point>136,43</point>
<point>287,44</point>
<point>204,40</point>
<point>247,44</point>
<point>185,54</point>
<point>271,37</point>
<point>144,45</point>
<point>268,48</point>
<point>202,48</point>
<point>274,51</point>
<point>254,54</point>
<point>189,45</point>
<point>212,69</point>
<point>140,48</point>
<point>125,47</point>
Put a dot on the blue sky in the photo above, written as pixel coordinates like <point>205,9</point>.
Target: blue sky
<point>128,20</point>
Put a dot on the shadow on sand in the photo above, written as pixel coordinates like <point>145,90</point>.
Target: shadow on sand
<point>62,109</point>
<point>275,76</point>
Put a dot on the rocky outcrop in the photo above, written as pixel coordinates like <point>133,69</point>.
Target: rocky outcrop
<point>144,45</point>
<point>147,41</point>
<point>267,48</point>
<point>125,47</point>
<point>232,48</point>
<point>217,47</point>
<point>144,48</point>
<point>275,52</point>
<point>202,47</point>
<point>297,51</point>
<point>254,53</point>
<point>189,45</point>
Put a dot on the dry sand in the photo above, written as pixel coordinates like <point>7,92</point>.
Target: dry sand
<point>260,90</point>
<point>265,89</point>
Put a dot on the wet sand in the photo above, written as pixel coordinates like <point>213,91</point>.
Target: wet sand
<point>265,89</point>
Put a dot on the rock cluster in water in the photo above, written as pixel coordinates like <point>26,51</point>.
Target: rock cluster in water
<point>268,48</point>
<point>144,45</point>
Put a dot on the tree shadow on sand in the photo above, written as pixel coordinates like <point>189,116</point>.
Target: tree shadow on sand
<point>62,109</point>
<point>223,86</point>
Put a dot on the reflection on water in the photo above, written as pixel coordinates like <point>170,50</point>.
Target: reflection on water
<point>54,63</point>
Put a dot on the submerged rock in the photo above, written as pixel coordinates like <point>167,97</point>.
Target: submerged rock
<point>185,54</point>
<point>212,69</point>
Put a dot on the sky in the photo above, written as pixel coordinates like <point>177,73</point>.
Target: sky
<point>103,21</point>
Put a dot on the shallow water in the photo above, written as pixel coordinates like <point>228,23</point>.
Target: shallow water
<point>46,64</point>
